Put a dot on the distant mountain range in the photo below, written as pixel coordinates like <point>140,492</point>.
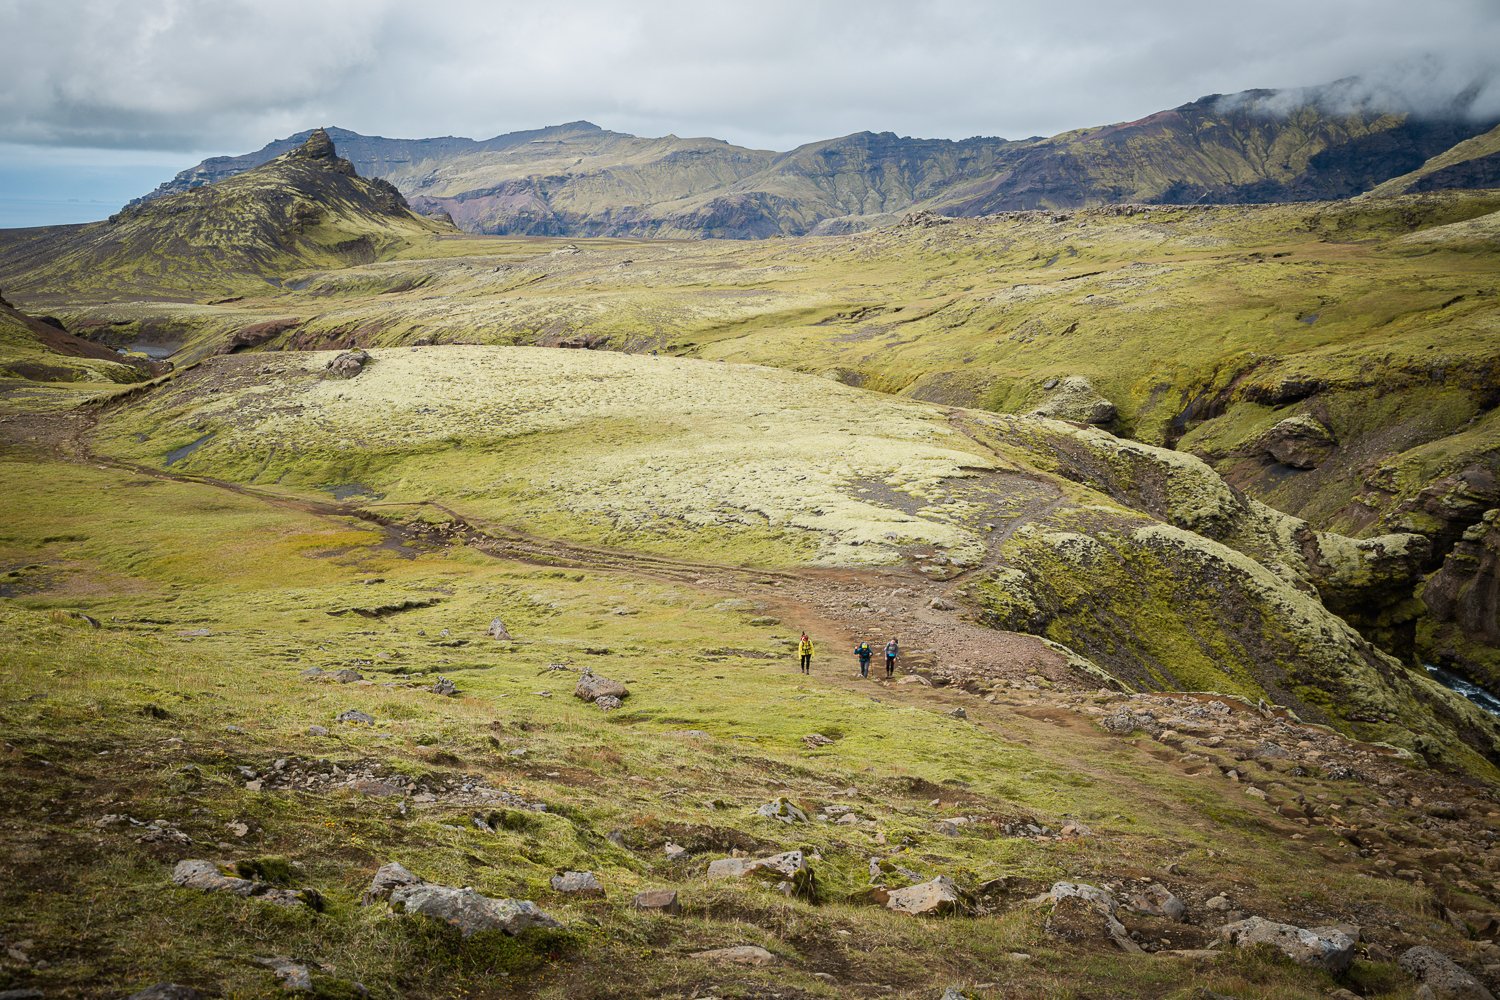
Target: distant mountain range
<point>581,180</point>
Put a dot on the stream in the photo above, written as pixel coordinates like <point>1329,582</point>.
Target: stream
<point>1473,692</point>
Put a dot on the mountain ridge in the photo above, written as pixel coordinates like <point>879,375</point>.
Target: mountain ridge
<point>578,179</point>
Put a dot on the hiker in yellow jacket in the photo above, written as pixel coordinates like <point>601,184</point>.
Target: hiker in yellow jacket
<point>805,651</point>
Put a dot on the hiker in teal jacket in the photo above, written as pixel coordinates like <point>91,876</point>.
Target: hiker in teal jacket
<point>864,652</point>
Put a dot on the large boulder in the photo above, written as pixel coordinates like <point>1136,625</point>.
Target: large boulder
<point>1301,442</point>
<point>578,884</point>
<point>195,873</point>
<point>349,364</point>
<point>777,866</point>
<point>469,911</point>
<point>592,687</point>
<point>937,898</point>
<point>788,872</point>
<point>1441,977</point>
<point>1327,948</point>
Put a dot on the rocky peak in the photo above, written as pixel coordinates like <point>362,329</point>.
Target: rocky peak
<point>318,148</point>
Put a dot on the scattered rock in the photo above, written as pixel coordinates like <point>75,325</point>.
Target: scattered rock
<point>348,676</point>
<point>674,852</point>
<point>658,900</point>
<point>745,954</point>
<point>445,687</point>
<point>469,911</point>
<point>355,717</point>
<point>783,810</point>
<point>206,876</point>
<point>1217,903</point>
<point>1441,977</point>
<point>295,976</point>
<point>958,713</point>
<point>578,884</point>
<point>607,703</point>
<point>166,991</point>
<point>592,687</point>
<point>317,730</point>
<point>1322,947</point>
<point>814,740</point>
<point>348,364</point>
<point>942,604</point>
<point>498,631</point>
<point>388,878</point>
<point>1083,912</point>
<point>1157,900</point>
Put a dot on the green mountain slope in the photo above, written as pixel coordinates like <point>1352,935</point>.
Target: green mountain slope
<point>306,208</point>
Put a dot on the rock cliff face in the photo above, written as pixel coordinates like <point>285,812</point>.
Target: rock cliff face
<point>1463,603</point>
<point>580,180</point>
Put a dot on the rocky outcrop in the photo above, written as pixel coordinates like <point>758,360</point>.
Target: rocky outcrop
<point>469,911</point>
<point>1302,442</point>
<point>1329,948</point>
<point>1074,398</point>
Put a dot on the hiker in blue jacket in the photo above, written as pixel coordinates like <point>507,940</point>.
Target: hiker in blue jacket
<point>864,652</point>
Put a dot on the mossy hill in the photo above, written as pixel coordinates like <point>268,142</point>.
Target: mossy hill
<point>306,208</point>
<point>581,180</point>
<point>203,575</point>
<point>1039,528</point>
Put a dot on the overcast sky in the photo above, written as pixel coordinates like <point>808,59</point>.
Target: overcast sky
<point>102,99</point>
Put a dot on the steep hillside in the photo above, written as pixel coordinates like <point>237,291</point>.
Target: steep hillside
<point>1473,163</point>
<point>580,180</point>
<point>306,208</point>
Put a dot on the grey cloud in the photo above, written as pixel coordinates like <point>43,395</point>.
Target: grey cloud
<point>229,74</point>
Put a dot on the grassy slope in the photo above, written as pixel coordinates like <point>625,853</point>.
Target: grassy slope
<point>193,676</point>
<point>761,468</point>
